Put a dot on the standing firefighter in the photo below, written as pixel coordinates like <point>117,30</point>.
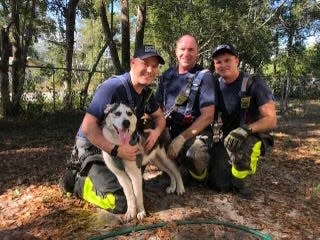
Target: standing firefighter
<point>247,112</point>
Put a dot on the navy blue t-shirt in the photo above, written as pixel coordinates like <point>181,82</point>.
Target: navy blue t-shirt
<point>228,95</point>
<point>172,82</point>
<point>113,91</point>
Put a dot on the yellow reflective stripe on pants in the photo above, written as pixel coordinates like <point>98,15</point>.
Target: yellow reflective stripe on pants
<point>106,202</point>
<point>255,155</point>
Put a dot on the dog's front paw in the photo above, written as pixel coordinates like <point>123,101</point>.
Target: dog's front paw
<point>180,190</point>
<point>129,215</point>
<point>170,189</point>
<point>141,215</point>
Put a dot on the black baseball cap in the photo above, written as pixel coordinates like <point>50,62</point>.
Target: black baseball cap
<point>146,51</point>
<point>224,48</point>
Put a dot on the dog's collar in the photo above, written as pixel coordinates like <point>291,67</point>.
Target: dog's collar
<point>199,177</point>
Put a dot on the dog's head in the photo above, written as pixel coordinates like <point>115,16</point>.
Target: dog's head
<point>120,122</point>
<point>197,155</point>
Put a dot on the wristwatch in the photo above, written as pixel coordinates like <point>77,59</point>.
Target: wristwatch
<point>114,151</point>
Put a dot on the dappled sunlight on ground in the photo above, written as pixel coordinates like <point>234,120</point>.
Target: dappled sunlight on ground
<point>286,203</point>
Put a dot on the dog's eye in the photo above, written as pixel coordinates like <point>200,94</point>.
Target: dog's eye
<point>117,113</point>
<point>129,114</point>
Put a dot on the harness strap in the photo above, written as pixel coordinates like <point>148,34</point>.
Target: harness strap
<point>184,93</point>
<point>194,90</point>
<point>182,97</point>
<point>129,95</point>
<point>171,76</point>
<point>126,85</point>
<point>244,102</point>
<point>244,98</point>
<point>244,84</point>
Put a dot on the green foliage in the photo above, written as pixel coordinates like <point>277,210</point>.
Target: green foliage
<point>269,36</point>
<point>90,42</point>
<point>167,21</point>
<point>303,73</point>
<point>240,23</point>
<point>312,60</point>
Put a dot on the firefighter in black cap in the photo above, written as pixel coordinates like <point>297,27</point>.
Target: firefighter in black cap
<point>247,109</point>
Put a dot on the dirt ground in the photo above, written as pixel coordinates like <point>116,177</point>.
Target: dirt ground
<point>287,188</point>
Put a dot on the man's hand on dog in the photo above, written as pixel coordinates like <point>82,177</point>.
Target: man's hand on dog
<point>153,136</point>
<point>176,146</point>
<point>128,152</point>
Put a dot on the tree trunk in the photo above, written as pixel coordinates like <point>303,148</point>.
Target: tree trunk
<point>18,75</point>
<point>4,69</point>
<point>109,39</point>
<point>290,65</point>
<point>287,91</point>
<point>18,66</point>
<point>282,109</point>
<point>70,17</point>
<point>141,22</point>
<point>22,39</point>
<point>84,92</point>
<point>125,35</point>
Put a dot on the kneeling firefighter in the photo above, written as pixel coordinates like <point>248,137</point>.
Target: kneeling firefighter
<point>247,111</point>
<point>87,176</point>
<point>186,93</point>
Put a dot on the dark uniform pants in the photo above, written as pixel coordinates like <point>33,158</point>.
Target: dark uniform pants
<point>95,183</point>
<point>226,170</point>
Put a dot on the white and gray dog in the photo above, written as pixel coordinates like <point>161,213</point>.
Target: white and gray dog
<point>120,124</point>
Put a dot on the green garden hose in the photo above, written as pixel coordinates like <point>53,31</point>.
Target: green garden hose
<point>128,230</point>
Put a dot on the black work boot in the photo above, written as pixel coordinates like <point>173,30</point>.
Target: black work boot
<point>66,183</point>
<point>242,187</point>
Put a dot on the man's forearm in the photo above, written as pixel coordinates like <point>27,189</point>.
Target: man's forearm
<point>94,134</point>
<point>160,124</point>
<point>202,122</point>
<point>197,126</point>
<point>264,124</point>
<point>159,121</point>
<point>96,138</point>
<point>268,118</point>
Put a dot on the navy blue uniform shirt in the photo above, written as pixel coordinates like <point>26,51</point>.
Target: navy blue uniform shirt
<point>113,91</point>
<point>229,100</point>
<point>172,82</point>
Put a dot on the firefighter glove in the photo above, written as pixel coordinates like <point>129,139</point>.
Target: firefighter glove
<point>176,146</point>
<point>236,137</point>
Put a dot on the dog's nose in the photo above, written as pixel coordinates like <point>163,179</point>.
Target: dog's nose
<point>126,123</point>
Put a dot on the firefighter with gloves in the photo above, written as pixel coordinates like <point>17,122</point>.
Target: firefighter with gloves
<point>247,110</point>
<point>187,95</point>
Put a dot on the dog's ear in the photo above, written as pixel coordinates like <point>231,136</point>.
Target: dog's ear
<point>203,138</point>
<point>132,107</point>
<point>110,108</point>
<point>107,109</point>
